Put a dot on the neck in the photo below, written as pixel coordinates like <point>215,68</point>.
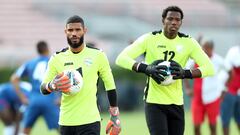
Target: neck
<point>170,35</point>
<point>77,50</point>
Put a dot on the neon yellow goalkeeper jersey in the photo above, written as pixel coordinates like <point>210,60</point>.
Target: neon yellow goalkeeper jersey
<point>156,46</point>
<point>81,108</point>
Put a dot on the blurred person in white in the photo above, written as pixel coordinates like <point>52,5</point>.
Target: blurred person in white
<point>230,82</point>
<point>205,92</point>
<point>164,109</point>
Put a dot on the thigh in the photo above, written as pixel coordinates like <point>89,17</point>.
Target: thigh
<point>30,115</point>
<point>156,119</point>
<point>51,116</point>
<point>175,118</point>
<point>197,112</point>
<point>7,116</point>
<point>87,129</point>
<point>213,110</point>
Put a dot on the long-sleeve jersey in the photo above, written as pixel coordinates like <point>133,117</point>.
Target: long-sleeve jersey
<point>81,109</point>
<point>156,46</point>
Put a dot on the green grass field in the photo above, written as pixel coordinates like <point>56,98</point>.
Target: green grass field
<point>133,123</point>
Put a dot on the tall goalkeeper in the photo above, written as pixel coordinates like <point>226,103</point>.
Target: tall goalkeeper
<point>164,104</point>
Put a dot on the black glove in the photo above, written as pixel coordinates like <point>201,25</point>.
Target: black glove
<point>155,71</point>
<point>178,72</point>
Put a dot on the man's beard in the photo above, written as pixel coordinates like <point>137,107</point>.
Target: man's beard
<point>75,45</point>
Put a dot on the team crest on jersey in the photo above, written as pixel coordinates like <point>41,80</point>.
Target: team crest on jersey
<point>88,61</point>
<point>179,48</point>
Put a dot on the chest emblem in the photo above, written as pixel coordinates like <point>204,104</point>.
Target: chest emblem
<point>88,61</point>
<point>179,48</point>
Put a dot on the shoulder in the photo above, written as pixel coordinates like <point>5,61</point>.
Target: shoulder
<point>148,36</point>
<point>94,49</point>
<point>62,51</point>
<point>234,49</point>
<point>183,35</point>
<point>154,33</point>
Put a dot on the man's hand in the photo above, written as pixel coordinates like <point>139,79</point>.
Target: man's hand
<point>114,125</point>
<point>178,72</point>
<point>60,83</point>
<point>157,72</point>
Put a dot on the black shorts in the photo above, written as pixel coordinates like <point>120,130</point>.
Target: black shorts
<point>164,119</point>
<point>88,129</point>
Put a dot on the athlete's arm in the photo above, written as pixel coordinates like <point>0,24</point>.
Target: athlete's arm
<point>53,81</point>
<point>205,65</point>
<point>126,58</point>
<point>15,80</point>
<point>113,126</point>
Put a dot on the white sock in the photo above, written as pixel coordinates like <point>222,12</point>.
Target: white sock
<point>9,130</point>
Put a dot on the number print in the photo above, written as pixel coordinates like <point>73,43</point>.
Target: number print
<point>170,54</point>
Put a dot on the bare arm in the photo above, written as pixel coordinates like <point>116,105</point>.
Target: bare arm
<point>15,80</point>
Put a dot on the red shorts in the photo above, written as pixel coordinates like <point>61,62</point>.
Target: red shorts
<point>199,110</point>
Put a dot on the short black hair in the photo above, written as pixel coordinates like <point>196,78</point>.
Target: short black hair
<point>75,19</point>
<point>172,8</point>
<point>42,47</point>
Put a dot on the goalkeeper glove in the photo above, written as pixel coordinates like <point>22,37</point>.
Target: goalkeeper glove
<point>155,71</point>
<point>178,72</point>
<point>113,126</point>
<point>60,83</point>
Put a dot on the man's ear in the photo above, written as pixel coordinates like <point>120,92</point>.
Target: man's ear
<point>85,30</point>
<point>162,20</point>
<point>65,31</point>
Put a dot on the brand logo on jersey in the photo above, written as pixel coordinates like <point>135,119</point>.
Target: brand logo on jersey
<point>88,61</point>
<point>68,63</point>
<point>161,46</point>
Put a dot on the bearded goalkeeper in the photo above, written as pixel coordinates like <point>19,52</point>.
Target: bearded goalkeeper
<point>79,114</point>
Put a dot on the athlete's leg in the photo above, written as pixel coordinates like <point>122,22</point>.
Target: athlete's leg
<point>7,117</point>
<point>30,117</point>
<point>237,113</point>
<point>213,110</point>
<point>51,116</point>
<point>197,115</point>
<point>156,119</point>
<point>175,119</point>
<point>226,112</point>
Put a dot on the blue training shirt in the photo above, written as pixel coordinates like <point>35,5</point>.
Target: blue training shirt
<point>34,70</point>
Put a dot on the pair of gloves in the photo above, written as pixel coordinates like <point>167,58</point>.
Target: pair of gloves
<point>158,72</point>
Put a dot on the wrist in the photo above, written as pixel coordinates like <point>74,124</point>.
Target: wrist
<point>187,74</point>
<point>114,111</point>
<point>141,67</point>
<point>50,87</point>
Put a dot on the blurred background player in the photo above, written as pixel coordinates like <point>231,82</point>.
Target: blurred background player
<point>79,114</point>
<point>37,105</point>
<point>230,106</point>
<point>206,92</point>
<point>10,106</point>
<point>164,103</point>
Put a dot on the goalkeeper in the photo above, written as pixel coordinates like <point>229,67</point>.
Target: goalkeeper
<point>79,114</point>
<point>164,104</point>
